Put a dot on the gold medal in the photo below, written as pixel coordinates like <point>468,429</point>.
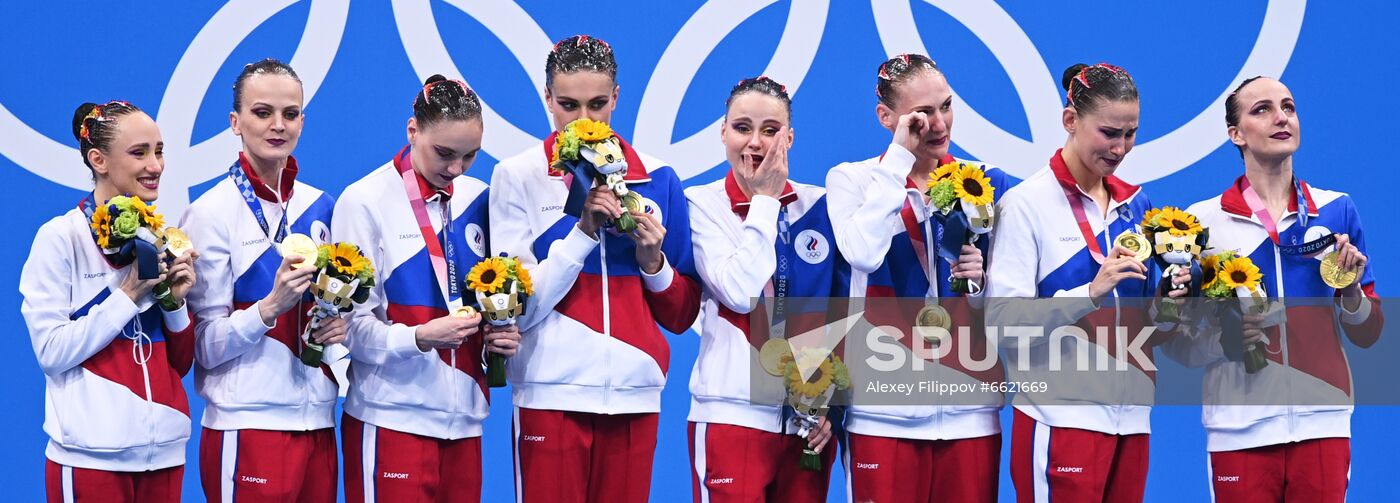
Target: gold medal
<point>177,242</point>
<point>933,315</point>
<point>771,356</point>
<point>299,245</point>
<point>1135,243</point>
<point>1333,274</point>
<point>464,312</point>
<point>632,202</point>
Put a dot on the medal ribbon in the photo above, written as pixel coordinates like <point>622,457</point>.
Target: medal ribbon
<point>444,264</point>
<point>778,286</point>
<point>1256,206</point>
<point>920,244</point>
<point>1077,206</point>
<point>245,187</point>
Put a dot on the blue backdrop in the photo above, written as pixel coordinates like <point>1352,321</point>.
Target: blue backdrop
<point>362,64</point>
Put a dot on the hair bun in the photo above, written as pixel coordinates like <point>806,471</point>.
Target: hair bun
<point>1070,73</point>
<point>79,116</point>
<point>437,77</point>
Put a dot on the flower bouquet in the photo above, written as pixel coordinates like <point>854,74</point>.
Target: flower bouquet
<point>811,376</point>
<point>1177,240</point>
<point>343,278</point>
<point>590,152</point>
<point>502,285</point>
<point>129,230</point>
<point>963,197</point>
<point>1230,275</point>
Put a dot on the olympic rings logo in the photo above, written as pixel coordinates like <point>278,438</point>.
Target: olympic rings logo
<point>1040,96</point>
<point>661,99</point>
<point>183,94</point>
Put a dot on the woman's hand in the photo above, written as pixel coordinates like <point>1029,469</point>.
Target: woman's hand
<point>1120,265</point>
<point>287,289</point>
<point>503,340</point>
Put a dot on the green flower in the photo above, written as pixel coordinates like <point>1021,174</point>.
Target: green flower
<point>125,225</point>
<point>1219,291</point>
<point>122,203</point>
<point>943,194</point>
<point>842,377</point>
<point>323,256</point>
<point>569,144</point>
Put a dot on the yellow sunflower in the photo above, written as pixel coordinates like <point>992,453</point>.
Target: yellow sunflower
<point>554,157</point>
<point>347,259</point>
<point>148,214</point>
<point>943,172</point>
<point>487,276</point>
<point>102,226</point>
<point>1150,219</point>
<point>822,372</point>
<point>526,284</point>
<point>591,130</point>
<point>1210,268</point>
<point>972,186</point>
<point>1179,223</point>
<point>1240,272</point>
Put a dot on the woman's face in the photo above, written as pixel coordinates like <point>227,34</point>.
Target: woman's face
<point>134,160</point>
<point>926,92</point>
<point>445,149</point>
<point>1103,137</point>
<point>270,120</point>
<point>581,95</point>
<point>1268,126</point>
<point>750,128</point>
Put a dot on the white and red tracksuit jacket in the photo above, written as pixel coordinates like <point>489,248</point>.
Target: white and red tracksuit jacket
<point>111,401</point>
<point>439,393</point>
<point>589,336</point>
<point>1308,381</point>
<point>742,254</point>
<point>251,373</point>
<point>872,205</point>
<point>1039,252</point>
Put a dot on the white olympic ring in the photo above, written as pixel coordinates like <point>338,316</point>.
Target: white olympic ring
<point>1040,97</point>
<point>688,50</point>
<point>179,106</point>
<point>672,76</point>
<point>515,28</point>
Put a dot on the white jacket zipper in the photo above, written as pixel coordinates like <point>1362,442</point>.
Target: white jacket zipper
<point>607,315</point>
<point>146,376</point>
<point>1283,329</point>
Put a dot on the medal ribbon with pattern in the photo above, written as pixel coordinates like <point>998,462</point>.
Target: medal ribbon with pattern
<point>1256,206</point>
<point>245,187</point>
<point>778,286</point>
<point>443,254</point>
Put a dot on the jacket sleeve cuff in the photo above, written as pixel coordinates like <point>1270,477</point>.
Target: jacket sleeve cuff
<point>403,341</point>
<point>578,244</point>
<point>660,281</point>
<point>1079,309</point>
<point>179,319</point>
<point>896,163</point>
<point>125,308</point>
<point>1363,311</point>
<point>248,323</point>
<point>763,209</point>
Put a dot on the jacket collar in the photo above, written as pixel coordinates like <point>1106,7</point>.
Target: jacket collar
<point>1232,200</point>
<point>1118,190</point>
<point>261,188</point>
<point>739,203</point>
